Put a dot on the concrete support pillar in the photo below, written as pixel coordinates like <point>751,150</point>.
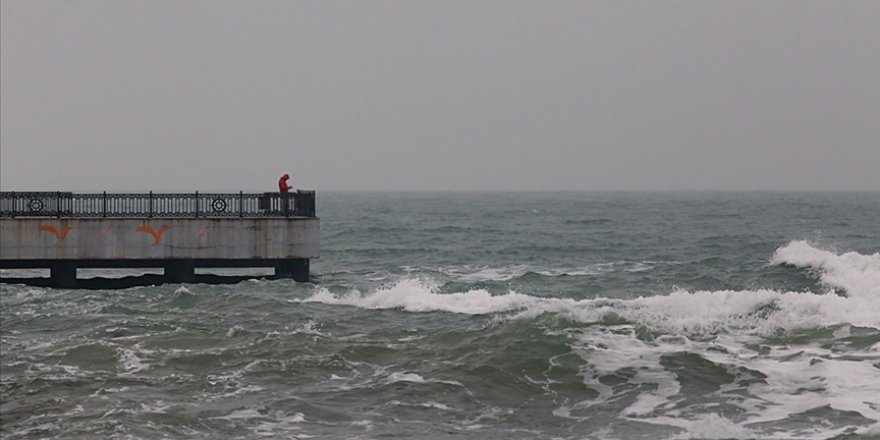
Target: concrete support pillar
<point>296,268</point>
<point>63,275</point>
<point>180,272</point>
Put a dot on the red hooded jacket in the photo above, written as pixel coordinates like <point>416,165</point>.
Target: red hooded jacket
<point>283,187</point>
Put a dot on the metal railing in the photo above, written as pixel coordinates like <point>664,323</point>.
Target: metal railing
<point>168,205</point>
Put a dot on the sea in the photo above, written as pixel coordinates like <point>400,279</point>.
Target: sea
<point>472,315</point>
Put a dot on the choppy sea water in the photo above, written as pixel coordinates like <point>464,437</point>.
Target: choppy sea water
<point>485,315</point>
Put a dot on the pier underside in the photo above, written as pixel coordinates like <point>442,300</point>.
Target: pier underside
<point>63,274</point>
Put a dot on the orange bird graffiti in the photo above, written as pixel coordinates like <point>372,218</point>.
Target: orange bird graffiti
<point>53,230</point>
<point>156,235</point>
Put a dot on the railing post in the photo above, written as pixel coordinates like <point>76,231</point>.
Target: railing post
<point>197,204</point>
<point>241,204</point>
<point>151,204</point>
<point>58,204</point>
<point>13,204</point>
<point>104,203</point>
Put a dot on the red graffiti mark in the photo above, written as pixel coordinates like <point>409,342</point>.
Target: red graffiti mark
<point>102,232</point>
<point>200,232</point>
<point>53,230</point>
<point>156,235</point>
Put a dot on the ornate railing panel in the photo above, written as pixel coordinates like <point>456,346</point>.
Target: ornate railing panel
<point>168,205</point>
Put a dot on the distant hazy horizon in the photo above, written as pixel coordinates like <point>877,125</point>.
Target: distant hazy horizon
<point>451,96</point>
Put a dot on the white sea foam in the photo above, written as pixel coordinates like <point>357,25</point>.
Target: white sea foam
<point>282,425</point>
<point>858,274</point>
<point>406,377</point>
<point>760,311</point>
<point>507,273</point>
<point>609,351</point>
<point>417,295</point>
<point>483,273</point>
<point>157,407</point>
<point>416,378</point>
<point>234,330</point>
<point>713,426</point>
<point>309,327</point>
<point>130,362</point>
<point>241,414</point>
<point>773,383</point>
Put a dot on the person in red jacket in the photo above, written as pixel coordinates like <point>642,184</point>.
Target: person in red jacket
<point>284,189</point>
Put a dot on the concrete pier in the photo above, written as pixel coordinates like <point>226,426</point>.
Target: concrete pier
<point>178,242</point>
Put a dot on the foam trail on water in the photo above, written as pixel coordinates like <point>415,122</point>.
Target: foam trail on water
<point>858,274</point>
<point>416,295</point>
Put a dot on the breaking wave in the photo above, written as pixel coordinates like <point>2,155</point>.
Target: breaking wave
<point>857,274</point>
<point>759,311</point>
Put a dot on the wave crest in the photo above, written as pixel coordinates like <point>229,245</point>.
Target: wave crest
<point>857,274</point>
<point>705,312</point>
<point>419,295</point>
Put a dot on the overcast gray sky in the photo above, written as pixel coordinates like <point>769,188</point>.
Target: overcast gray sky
<point>440,95</point>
